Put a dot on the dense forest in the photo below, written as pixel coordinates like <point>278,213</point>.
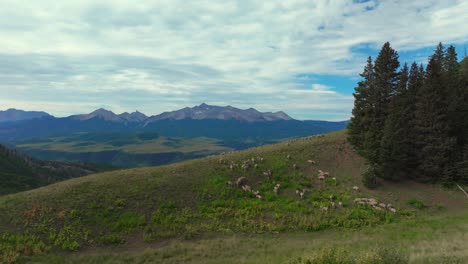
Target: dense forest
<point>411,121</point>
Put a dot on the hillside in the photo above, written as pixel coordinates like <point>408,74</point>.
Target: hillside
<point>188,212</point>
<point>19,172</point>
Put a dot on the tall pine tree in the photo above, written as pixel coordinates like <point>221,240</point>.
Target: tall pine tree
<point>385,86</point>
<point>394,149</point>
<point>432,126</point>
<point>361,119</point>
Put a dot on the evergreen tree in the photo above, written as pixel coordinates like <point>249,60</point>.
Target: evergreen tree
<point>385,86</point>
<point>432,126</point>
<point>360,121</point>
<point>394,149</point>
<point>415,84</point>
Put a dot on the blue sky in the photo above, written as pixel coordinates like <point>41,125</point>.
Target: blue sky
<point>299,56</point>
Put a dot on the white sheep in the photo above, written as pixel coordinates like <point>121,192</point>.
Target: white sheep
<point>355,188</point>
<point>324,209</point>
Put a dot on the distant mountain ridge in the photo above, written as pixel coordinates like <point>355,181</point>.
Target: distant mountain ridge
<point>205,111</point>
<point>107,115</point>
<point>12,115</point>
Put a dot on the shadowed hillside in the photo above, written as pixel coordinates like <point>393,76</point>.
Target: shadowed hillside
<point>19,172</point>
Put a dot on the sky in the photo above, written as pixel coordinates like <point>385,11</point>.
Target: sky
<point>299,56</point>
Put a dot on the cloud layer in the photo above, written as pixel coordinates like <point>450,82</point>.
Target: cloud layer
<point>74,56</point>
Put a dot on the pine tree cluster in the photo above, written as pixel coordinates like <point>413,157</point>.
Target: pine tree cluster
<point>411,122</point>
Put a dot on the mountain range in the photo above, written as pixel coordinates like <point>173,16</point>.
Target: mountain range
<point>224,123</point>
<point>200,112</point>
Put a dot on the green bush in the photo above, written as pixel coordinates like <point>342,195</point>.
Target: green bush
<point>111,239</point>
<point>369,177</point>
<point>417,204</point>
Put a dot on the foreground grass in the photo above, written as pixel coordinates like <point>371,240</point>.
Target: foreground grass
<point>187,213</point>
<point>434,240</point>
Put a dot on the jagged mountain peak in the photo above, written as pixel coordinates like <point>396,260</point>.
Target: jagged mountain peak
<point>205,111</point>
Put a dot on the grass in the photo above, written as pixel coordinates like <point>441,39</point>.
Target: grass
<point>187,213</point>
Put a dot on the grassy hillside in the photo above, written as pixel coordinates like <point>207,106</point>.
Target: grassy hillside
<point>19,172</point>
<point>187,212</point>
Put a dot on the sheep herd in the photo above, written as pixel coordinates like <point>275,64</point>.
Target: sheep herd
<point>375,204</point>
<point>254,162</point>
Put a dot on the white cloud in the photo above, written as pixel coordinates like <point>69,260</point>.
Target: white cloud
<point>175,53</point>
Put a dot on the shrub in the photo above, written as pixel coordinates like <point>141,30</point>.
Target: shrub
<point>369,177</point>
<point>417,204</point>
<point>111,239</point>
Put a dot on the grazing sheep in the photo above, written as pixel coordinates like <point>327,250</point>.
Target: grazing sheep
<point>389,206</point>
<point>268,174</point>
<point>295,166</point>
<point>259,197</point>
<point>382,205</point>
<point>302,195</point>
<point>324,209</point>
<point>297,191</point>
<point>333,205</point>
<point>247,188</point>
<point>393,210</point>
<point>340,204</point>
<point>241,181</point>
<point>355,188</point>
<point>321,177</point>
<point>231,167</point>
<point>311,162</point>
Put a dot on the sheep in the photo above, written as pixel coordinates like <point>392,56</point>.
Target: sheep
<point>355,188</point>
<point>255,165</point>
<point>268,174</point>
<point>247,188</point>
<point>382,205</point>
<point>259,197</point>
<point>297,192</point>
<point>333,205</point>
<point>311,161</point>
<point>302,195</point>
<point>324,209</point>
<point>340,204</point>
<point>241,181</point>
<point>321,177</point>
<point>276,188</point>
<point>288,156</point>
<point>231,167</point>
<point>295,167</point>
<point>393,210</point>
<point>230,183</point>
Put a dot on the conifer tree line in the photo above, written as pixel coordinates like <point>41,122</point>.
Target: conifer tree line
<point>411,121</point>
